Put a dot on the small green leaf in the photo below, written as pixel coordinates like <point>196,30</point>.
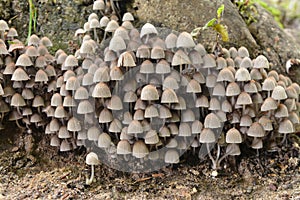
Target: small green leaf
<point>222,30</point>
<point>220,11</point>
<point>210,23</point>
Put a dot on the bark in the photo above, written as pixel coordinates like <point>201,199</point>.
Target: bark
<point>263,36</point>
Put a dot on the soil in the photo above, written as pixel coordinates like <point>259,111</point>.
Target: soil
<point>46,173</point>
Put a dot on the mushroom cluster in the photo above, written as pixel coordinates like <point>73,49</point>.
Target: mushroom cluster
<point>137,94</point>
<point>26,73</point>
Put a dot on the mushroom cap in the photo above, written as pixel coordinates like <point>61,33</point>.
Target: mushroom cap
<point>149,93</point>
<point>214,104</point>
<point>151,111</point>
<point>87,48</point>
<point>211,80</point>
<point>279,93</point>
<point>56,100</point>
<point>122,32</point>
<point>55,142</point>
<point>46,42</point>
<point>184,129</point>
<point>147,67</point>
<point>171,40</point>
<point>246,63</point>
<point>266,123</point>
<point>126,59</point>
<point>33,40</point>
<point>105,116</point>
<point>226,106</point>
<point>163,67</point>
<point>164,112</point>
<point>139,149</point>
<point>92,159</point>
<point>212,121</point>
<point>233,136</point>
<point>115,126</point>
<point>151,137</point>
<point>219,90</point>
<point>63,133</point>
<point>72,83</point>
<point>261,62</point>
<point>127,17</point>
<point>209,61</point>
<point>99,5</point>
<point>180,58</point>
<point>202,101</point>
<point>170,82</point>
<point>71,61</point>
<point>171,156</point>
<point>101,90</point>
<point>169,96</point>
<point>207,136</point>
<point>242,74</point>
<point>41,76</point>
<point>3,25</point>
<point>111,26</point>
<point>185,40</point>
<point>74,124</point>
<point>256,130</point>
<point>255,74</point>
<point>94,23</point>
<point>257,143</point>
<point>251,87</point>
<point>245,120</point>
<point>101,75</point>
<point>60,112</point>
<point>244,99</point>
<point>143,51</point>
<point>269,104</point>
<point>148,29</point>
<point>221,63</point>
<point>17,100</point>
<point>19,75</point>
<point>38,101</point>
<point>233,149</point>
<point>123,147</point>
<point>194,87</point>
<point>85,107</point>
<point>225,75</point>
<point>104,140</point>
<point>117,44</point>
<point>269,84</point>
<point>200,48</point>
<point>157,52</point>
<point>243,52</point>
<point>135,127</point>
<point>197,127</point>
<point>286,126</point>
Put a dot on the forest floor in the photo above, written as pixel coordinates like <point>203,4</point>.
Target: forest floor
<point>49,174</point>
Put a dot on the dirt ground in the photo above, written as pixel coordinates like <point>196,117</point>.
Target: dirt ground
<point>47,174</point>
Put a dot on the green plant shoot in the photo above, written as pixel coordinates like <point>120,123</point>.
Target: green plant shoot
<point>214,23</point>
<point>32,19</point>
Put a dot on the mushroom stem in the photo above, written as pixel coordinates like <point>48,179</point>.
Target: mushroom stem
<point>222,158</point>
<point>95,35</point>
<point>113,6</point>
<point>89,181</point>
<point>284,139</point>
<point>21,127</point>
<point>214,163</point>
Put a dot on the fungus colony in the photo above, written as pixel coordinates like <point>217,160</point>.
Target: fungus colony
<point>136,91</point>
